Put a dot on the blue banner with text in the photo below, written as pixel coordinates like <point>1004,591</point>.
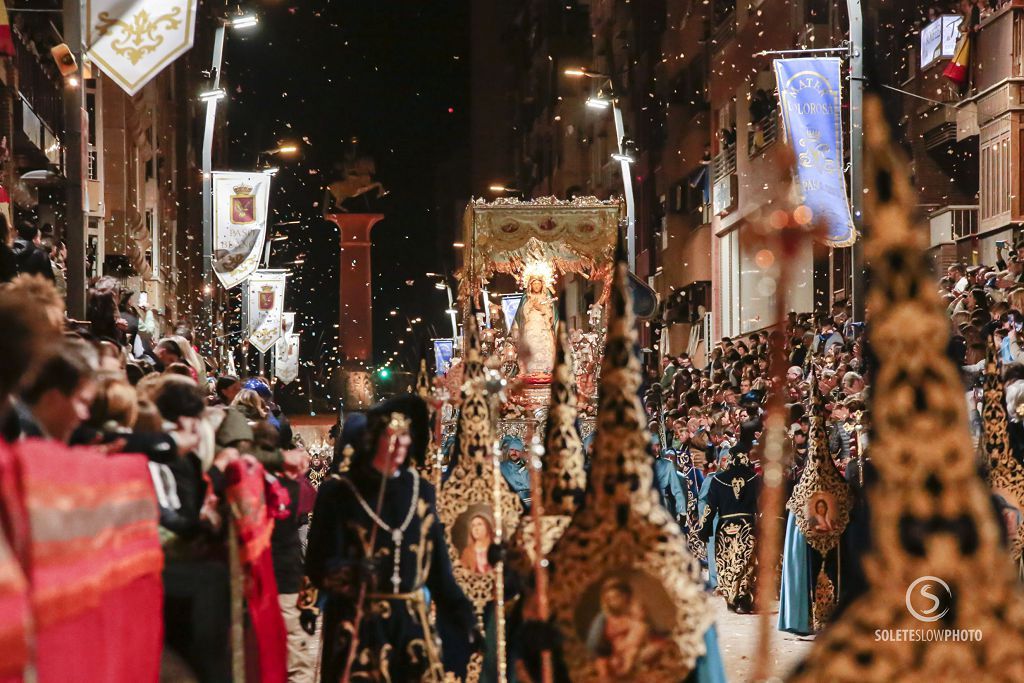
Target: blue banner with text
<point>810,94</point>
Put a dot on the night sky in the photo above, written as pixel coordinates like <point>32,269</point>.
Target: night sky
<point>395,75</point>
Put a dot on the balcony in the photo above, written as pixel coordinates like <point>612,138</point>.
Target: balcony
<point>723,21</point>
<point>953,224</point>
<point>723,178</point>
<point>762,134</point>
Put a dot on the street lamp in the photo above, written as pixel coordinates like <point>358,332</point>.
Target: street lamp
<point>213,95</point>
<point>502,188</point>
<point>240,21</point>
<point>625,157</point>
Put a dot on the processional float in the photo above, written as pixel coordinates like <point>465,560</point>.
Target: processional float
<point>934,536</point>
<point>518,251</point>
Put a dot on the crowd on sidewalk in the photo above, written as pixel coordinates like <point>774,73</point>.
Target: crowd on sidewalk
<point>127,448</point>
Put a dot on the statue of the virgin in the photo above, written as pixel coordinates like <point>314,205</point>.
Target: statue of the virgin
<point>536,321</point>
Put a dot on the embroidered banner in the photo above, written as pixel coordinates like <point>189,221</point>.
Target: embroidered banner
<point>240,203</point>
<point>133,40</point>
<point>444,349</point>
<point>264,307</point>
<point>810,93</point>
<point>286,359</point>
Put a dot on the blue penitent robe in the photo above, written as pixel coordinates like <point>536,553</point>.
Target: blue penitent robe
<point>702,502</point>
<point>518,477</point>
<point>795,591</point>
<point>670,489</point>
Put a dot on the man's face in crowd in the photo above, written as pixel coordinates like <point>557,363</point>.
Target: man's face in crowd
<point>730,397</point>
<point>515,455</point>
<point>60,414</point>
<point>166,357</point>
<point>665,362</point>
<point>744,386</point>
<point>794,375</point>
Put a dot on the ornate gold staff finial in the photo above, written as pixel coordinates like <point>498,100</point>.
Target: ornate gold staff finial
<point>1005,471</point>
<point>564,479</point>
<point>622,540</point>
<point>936,567</point>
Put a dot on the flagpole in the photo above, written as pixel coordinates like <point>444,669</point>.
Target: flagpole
<point>74,112</point>
<point>207,160</point>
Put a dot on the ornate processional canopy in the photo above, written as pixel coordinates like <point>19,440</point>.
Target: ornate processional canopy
<point>573,236</point>
<point>934,536</point>
<point>623,553</point>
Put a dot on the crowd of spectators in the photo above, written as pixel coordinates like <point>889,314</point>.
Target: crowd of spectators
<point>705,412</point>
<point>114,385</point>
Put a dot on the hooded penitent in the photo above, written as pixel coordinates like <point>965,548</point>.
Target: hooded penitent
<point>623,536</point>
<point>936,566</point>
<point>821,483</point>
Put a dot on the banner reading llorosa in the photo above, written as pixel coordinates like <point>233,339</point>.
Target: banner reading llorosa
<point>240,202</point>
<point>810,93</point>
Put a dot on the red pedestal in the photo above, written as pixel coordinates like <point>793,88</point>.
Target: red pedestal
<point>355,324</point>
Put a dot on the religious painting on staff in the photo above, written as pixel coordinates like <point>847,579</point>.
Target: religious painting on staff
<point>472,535</point>
<point>625,619</point>
<point>821,512</point>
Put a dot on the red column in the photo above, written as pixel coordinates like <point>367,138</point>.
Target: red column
<point>355,324</point>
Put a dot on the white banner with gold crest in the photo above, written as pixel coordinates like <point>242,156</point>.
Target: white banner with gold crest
<point>240,203</point>
<point>133,40</point>
<point>265,306</point>
<point>286,358</point>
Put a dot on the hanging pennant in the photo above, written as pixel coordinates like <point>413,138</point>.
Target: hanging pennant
<point>240,203</point>
<point>286,358</point>
<point>134,40</point>
<point>810,93</point>
<point>264,304</point>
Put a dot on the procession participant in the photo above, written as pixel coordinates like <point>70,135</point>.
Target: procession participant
<point>732,497</point>
<point>375,545</point>
<point>514,469</point>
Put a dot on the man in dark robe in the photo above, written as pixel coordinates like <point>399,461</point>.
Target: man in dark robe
<point>395,640</point>
<point>733,498</point>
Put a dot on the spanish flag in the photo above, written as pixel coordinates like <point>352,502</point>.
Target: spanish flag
<point>6,41</point>
<point>956,70</point>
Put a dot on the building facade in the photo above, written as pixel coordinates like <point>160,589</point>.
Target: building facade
<point>699,104</point>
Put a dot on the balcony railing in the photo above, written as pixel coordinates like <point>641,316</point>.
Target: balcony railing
<point>724,164</point>
<point>762,134</point>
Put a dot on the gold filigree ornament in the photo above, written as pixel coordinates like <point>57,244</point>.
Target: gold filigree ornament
<point>1005,472</point>
<point>140,35</point>
<point>623,554</point>
<point>820,482</point>
<point>469,491</point>
<point>934,536</point>
<point>563,477</point>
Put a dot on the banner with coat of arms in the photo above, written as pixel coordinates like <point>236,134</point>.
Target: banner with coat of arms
<point>286,358</point>
<point>265,308</point>
<point>240,203</point>
<point>134,40</point>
